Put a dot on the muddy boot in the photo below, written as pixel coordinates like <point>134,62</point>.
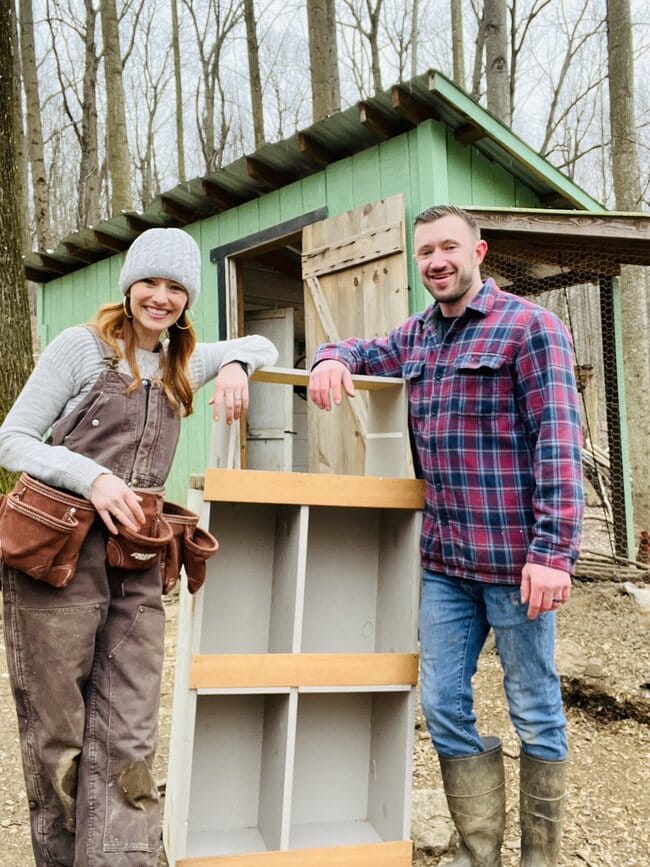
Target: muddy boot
<point>542,801</point>
<point>475,789</point>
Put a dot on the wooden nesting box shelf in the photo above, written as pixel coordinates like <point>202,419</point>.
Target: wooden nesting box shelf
<point>295,681</point>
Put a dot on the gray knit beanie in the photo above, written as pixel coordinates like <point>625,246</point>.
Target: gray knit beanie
<point>169,253</point>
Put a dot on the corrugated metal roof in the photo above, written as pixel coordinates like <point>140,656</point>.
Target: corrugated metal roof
<point>306,152</point>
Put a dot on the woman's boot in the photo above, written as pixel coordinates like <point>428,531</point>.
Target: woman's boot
<point>475,789</point>
<point>542,801</point>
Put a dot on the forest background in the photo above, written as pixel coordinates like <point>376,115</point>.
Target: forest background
<point>120,101</point>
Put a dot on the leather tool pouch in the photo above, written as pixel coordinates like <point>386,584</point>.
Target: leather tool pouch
<point>42,530</point>
<point>190,547</point>
<point>129,550</point>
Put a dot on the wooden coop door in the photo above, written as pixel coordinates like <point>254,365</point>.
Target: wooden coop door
<point>355,285</point>
<point>270,419</point>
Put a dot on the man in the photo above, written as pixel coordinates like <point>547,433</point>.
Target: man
<point>495,426</point>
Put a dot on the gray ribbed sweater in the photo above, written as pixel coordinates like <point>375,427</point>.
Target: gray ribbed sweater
<point>65,373</point>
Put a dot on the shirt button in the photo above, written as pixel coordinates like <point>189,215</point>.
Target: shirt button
<point>438,374</point>
<point>438,486</point>
<point>95,422</point>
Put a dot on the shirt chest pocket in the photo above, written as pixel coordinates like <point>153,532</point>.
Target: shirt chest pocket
<point>481,385</point>
<point>419,403</point>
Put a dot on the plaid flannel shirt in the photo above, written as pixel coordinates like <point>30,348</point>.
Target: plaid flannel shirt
<point>495,427</point>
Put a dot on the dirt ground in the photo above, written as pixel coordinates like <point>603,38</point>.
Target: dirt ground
<point>609,725</point>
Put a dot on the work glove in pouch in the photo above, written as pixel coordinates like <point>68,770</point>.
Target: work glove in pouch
<point>190,547</point>
<point>138,550</point>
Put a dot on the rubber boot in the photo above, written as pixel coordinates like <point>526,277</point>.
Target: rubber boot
<point>476,795</point>
<point>541,809</point>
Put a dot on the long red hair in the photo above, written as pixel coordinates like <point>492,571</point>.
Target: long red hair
<point>112,324</point>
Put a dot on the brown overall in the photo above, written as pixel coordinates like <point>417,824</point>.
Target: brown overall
<point>85,661</point>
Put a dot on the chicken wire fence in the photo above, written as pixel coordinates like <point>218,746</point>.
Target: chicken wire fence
<point>583,287</point>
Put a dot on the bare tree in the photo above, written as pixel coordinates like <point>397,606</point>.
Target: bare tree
<point>224,18</point>
<point>84,102</point>
<point>578,35</point>
<point>150,88</point>
<point>212,33</point>
<point>323,58</point>
<point>479,51</point>
<point>625,159</point>
<point>415,18</point>
<point>518,32</point>
<point>254,76</point>
<point>399,35</point>
<point>34,128</point>
<point>117,146</point>
<point>21,156</point>
<point>15,331</point>
<point>634,301</point>
<point>287,102</point>
<point>457,42</point>
<point>88,209</point>
<point>496,60</point>
<point>178,87</point>
<point>366,18</point>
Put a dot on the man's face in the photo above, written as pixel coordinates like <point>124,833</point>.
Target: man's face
<point>448,256</point>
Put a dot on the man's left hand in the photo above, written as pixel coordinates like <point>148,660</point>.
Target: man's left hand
<point>543,588</point>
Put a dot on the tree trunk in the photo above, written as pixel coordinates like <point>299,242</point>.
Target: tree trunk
<point>116,138</point>
<point>496,60</point>
<point>40,191</point>
<point>254,77</point>
<point>88,213</point>
<point>457,46</point>
<point>373,38</point>
<point>21,157</point>
<point>415,15</point>
<point>15,330</point>
<point>178,75</point>
<point>477,67</point>
<point>634,302</point>
<point>323,58</point>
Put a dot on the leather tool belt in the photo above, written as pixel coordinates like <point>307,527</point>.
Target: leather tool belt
<point>42,530</point>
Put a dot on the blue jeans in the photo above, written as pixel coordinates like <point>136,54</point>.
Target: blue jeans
<point>455,618</point>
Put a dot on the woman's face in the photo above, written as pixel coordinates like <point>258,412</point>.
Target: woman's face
<point>156,303</point>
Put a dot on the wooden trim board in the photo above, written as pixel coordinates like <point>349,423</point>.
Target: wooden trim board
<point>259,670</point>
<point>312,489</point>
<point>293,376</point>
<point>393,854</point>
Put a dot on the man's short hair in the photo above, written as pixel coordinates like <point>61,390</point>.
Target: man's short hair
<point>437,212</point>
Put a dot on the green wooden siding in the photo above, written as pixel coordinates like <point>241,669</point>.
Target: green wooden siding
<point>426,164</point>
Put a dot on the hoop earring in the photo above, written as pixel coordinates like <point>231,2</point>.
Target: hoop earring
<point>127,312</point>
<point>188,321</point>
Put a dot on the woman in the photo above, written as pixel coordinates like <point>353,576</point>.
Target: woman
<point>85,661</point>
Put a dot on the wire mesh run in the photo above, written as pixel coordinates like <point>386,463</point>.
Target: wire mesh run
<point>586,285</point>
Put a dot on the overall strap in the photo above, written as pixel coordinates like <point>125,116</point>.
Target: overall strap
<point>111,360</point>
